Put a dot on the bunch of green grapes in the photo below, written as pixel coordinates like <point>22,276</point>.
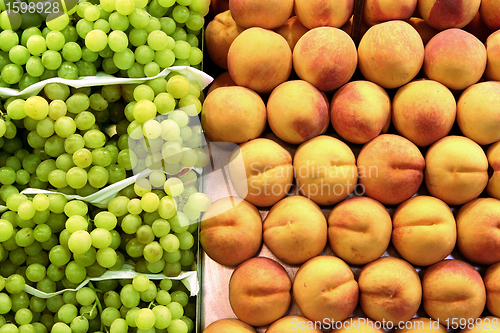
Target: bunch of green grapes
<point>113,306</point>
<point>137,39</point>
<point>52,243</point>
<point>143,305</point>
<point>45,49</point>
<point>66,133</point>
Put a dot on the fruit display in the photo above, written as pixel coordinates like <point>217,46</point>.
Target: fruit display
<point>101,158</point>
<point>356,187</point>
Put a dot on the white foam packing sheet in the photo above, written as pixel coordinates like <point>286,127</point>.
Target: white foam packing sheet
<point>103,79</point>
<point>189,279</point>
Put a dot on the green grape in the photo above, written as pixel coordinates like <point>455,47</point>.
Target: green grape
<point>11,73</point>
<point>144,54</point>
<point>119,325</point>
<point>68,71</point>
<point>77,103</point>
<point>145,319</point>
<point>19,55</point>
<point>157,40</point>
<point>70,34</point>
<point>79,324</point>
<point>118,21</point>
<point>129,296</point>
<point>117,41</point>
<point>5,303</point>
<point>136,71</point>
<point>14,283</point>
<point>192,40</point>
<point>51,60</point>
<point>164,58</point>
<point>195,57</point>
<point>106,257</point>
<point>55,40</point>
<point>162,315</point>
<point>138,37</point>
<point>151,69</point>
<point>35,272</point>
<point>108,5</point>
<point>94,138</point>
<point>91,13</point>
<point>65,127</point>
<point>195,21</point>
<point>36,45</point>
<point>72,52</point>
<point>96,40</point>
<point>45,127</point>
<point>83,27</point>
<point>139,18</point>
<point>125,7</point>
<point>8,39</point>
<point>102,25</point>
<point>75,273</point>
<point>79,242</point>
<point>57,21</point>
<point>88,55</point>
<point>182,50</point>
<point>179,34</point>
<point>124,60</point>
<point>86,296</point>
<point>108,315</point>
<point>27,33</point>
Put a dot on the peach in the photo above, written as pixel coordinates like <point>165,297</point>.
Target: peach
<point>493,53</point>
<point>452,290</point>
<point>359,230</point>
<point>324,288</point>
<point>424,230</point>
<point>268,14</point>
<point>490,13</point>
<point>492,284</point>
<point>360,111</point>
<point>259,59</point>
<point>483,325</point>
<point>325,170</point>
<point>360,325</point>
<point>391,54</point>
<point>455,58</point>
<point>295,230</point>
<point>423,111</point>
<point>389,290</point>
<point>231,231</point>
<point>378,11</point>
<point>226,112</point>
<point>229,325</point>
<point>478,232</point>
<point>445,14</point>
<point>292,30</point>
<point>219,35</point>
<point>390,169</point>
<point>290,324</point>
<point>223,80</point>
<point>425,31</point>
<point>259,291</point>
<point>422,325</point>
<point>478,115</point>
<point>456,170</point>
<point>297,111</point>
<point>493,154</point>
<point>325,57</point>
<point>266,174</point>
<point>327,13</point>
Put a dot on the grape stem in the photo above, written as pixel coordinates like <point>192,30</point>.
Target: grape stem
<point>97,303</point>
